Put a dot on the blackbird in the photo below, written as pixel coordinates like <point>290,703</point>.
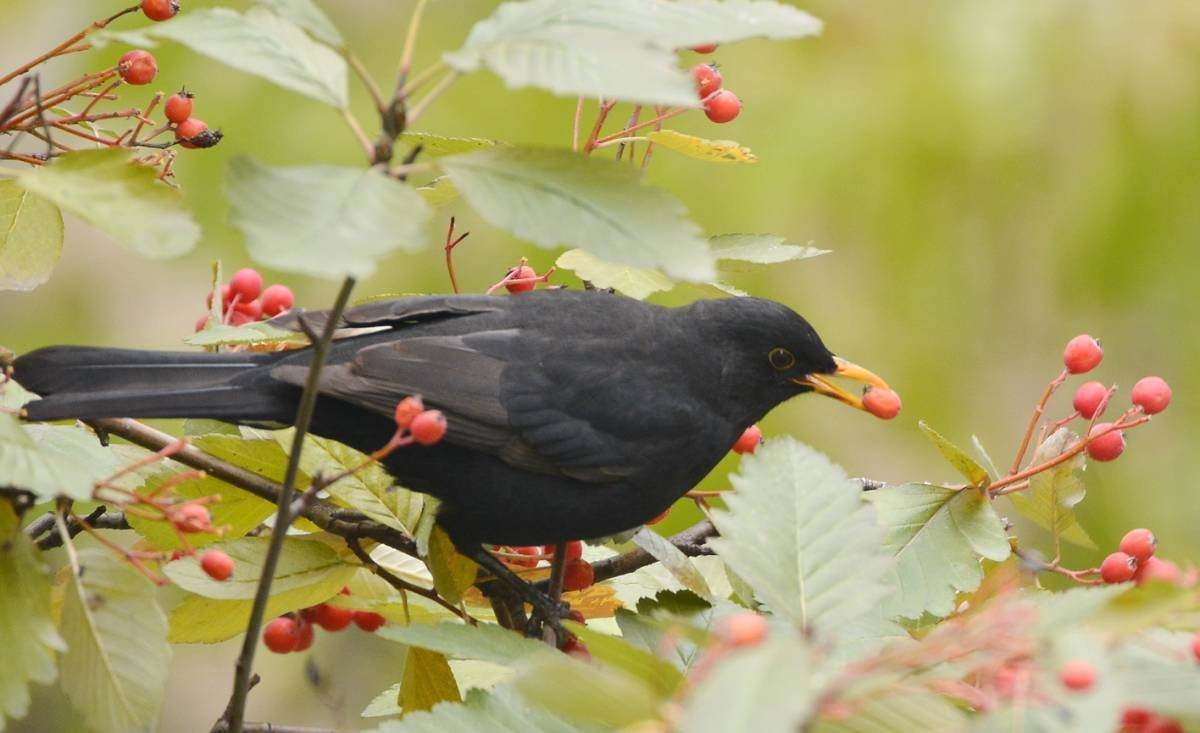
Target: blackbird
<point>571,414</point>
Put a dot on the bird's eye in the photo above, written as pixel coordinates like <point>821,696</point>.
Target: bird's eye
<point>781,359</point>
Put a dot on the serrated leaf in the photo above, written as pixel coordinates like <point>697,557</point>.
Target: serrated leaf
<point>427,681</point>
<point>438,145</point>
<point>262,43</point>
<point>976,474</point>
<point>758,249</point>
<point>303,563</point>
<point>586,694</point>
<point>909,710</point>
<point>31,237</point>
<point>200,620</point>
<point>636,282</point>
<point>768,688</point>
<point>939,537</point>
<point>676,563</point>
<point>555,197</point>
<point>13,395</point>
<point>369,490</point>
<point>799,533</point>
<point>497,710</point>
<point>52,460</point>
<point>487,642</point>
<point>716,151</point>
<point>1052,495</point>
<point>325,221</point>
<point>257,332</point>
<point>619,654</point>
<point>308,16</point>
<point>115,669</point>
<point>452,571</point>
<point>27,633</point>
<point>123,199</point>
<point>1153,675</point>
<point>385,704</point>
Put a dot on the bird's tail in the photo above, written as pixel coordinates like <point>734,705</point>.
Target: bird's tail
<point>85,382</point>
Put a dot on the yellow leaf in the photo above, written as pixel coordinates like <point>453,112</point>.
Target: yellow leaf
<point>452,572</point>
<point>428,680</point>
<point>717,151</point>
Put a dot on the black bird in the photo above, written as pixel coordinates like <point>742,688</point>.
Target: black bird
<point>571,414</point>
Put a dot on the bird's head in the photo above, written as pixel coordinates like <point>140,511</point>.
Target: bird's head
<point>775,353</point>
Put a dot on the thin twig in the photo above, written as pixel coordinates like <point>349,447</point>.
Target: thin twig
<point>403,585</point>
<point>575,124</point>
<point>419,108</point>
<point>356,65</point>
<point>236,712</point>
<point>1038,409</point>
<point>359,134</point>
<point>66,45</point>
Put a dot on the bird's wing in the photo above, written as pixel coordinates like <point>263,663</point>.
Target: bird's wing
<point>394,313</point>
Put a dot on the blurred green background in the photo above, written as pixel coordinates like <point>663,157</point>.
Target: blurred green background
<point>992,178</point>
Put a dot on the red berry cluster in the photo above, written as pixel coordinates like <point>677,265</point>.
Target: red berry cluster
<point>720,105</point>
<point>190,132</point>
<point>1141,720</point>
<point>578,573</point>
<point>243,299</point>
<point>425,427</point>
<point>294,632</point>
<point>1134,560</point>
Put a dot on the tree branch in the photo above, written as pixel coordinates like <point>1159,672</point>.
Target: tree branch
<point>96,520</point>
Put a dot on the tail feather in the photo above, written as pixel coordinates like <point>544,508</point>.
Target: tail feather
<point>85,382</point>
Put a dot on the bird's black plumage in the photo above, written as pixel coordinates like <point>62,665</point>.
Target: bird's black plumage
<point>571,414</point>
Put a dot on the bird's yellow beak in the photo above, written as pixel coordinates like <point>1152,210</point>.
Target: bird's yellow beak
<point>820,383</point>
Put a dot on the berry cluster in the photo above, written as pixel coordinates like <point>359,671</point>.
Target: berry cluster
<point>1134,560</point>
<point>1079,675</point>
<point>578,573</point>
<point>424,427</point>
<point>295,632</point>
<point>244,300</point>
<point>720,105</point>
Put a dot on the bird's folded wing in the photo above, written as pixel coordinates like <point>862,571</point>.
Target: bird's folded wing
<point>395,312</point>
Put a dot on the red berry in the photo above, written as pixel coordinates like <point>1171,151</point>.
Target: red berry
<point>246,283</point>
<point>1089,397</point>
<point>238,318</point>
<point>200,324</point>
<point>1083,354</point>
<point>178,107</point>
<point>708,79</point>
<point>407,409</point>
<point>1077,675</point>
<point>524,562</point>
<point>576,616</point>
<point>217,564</point>
<point>310,614</point>
<point>524,272</point>
<point>306,635</point>
<point>576,648</point>
<point>332,618</point>
<point>191,518</point>
<point>1118,568</point>
<point>137,67</point>
<point>368,620</point>
<point>749,440</point>
<point>881,402</point>
<point>1157,569</point>
<point>250,308</point>
<point>573,552</point>
<point>225,296</point>
<point>578,575</point>
<point>190,129</point>
<point>1152,394</point>
<point>160,9</point>
<point>1163,724</point>
<point>1196,646</point>
<point>277,299</point>
<point>722,106</point>
<point>1105,446</point>
<point>429,427</point>
<point>1139,544</point>
<point>1136,717</point>
<point>743,629</point>
<point>282,635</point>
<point>705,48</point>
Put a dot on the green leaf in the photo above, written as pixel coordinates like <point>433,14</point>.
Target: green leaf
<point>1156,603</point>
<point>439,145</point>
<point>452,572</point>
<point>497,710</point>
<point>115,669</point>
<point>308,16</point>
<point>676,563</point>
<point>369,490</point>
<point>938,536</point>
<point>123,199</point>
<point>758,249</point>
<point>52,460</point>
<point>910,710</point>
<point>1152,674</point>
<point>693,22</point>
<point>715,151</point>
<point>586,694</point>
<point>385,704</point>
<point>438,192</point>
<point>1052,495</point>
<point>963,463</point>
<point>200,620</point>
<point>236,514</point>
<point>486,642</point>
<point>27,633</point>
<point>555,197</point>
<point>302,564</point>
<point>768,688</point>
<point>983,455</point>
<point>257,332</point>
<point>31,237</point>
<point>621,654</point>
<point>636,282</point>
<point>427,681</point>
<point>262,43</point>
<point>799,533</point>
<point>325,221</point>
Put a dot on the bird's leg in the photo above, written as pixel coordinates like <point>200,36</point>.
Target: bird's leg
<point>549,611</point>
<point>558,567</point>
